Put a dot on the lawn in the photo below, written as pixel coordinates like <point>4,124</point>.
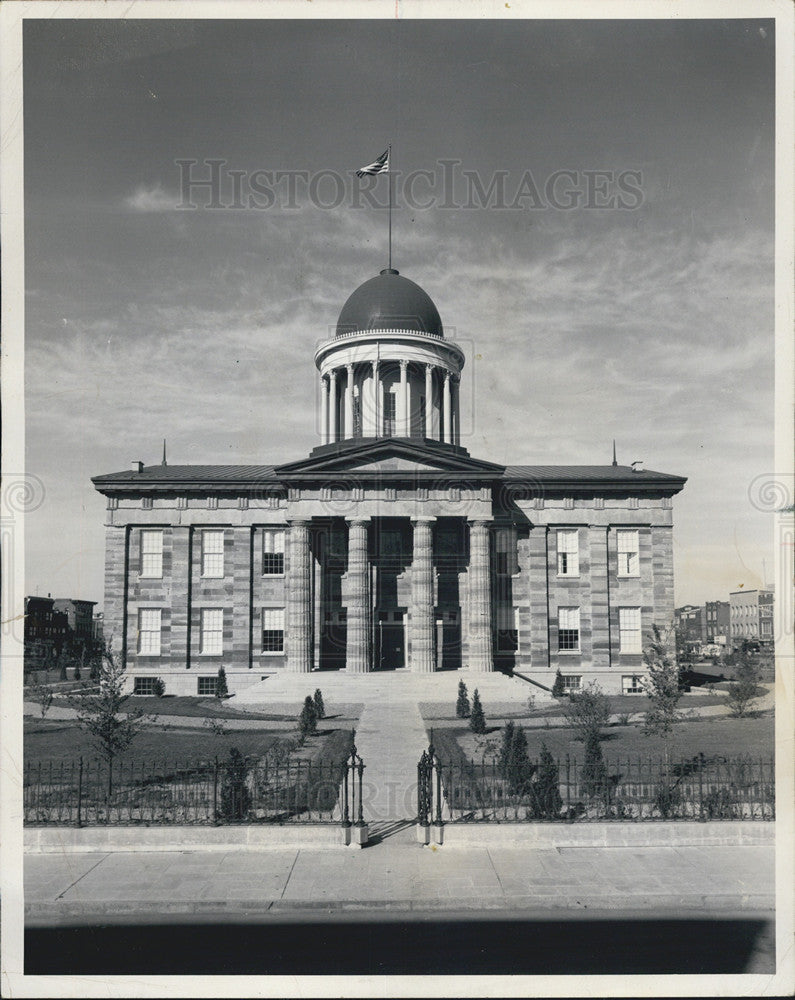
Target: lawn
<point>56,741</point>
<point>726,737</point>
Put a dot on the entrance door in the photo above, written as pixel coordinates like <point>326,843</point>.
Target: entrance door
<point>391,641</point>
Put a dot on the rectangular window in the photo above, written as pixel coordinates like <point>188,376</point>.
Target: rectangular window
<point>144,685</point>
<point>629,635</point>
<point>571,682</point>
<point>206,686</point>
<point>502,552</point>
<point>213,553</point>
<point>507,633</point>
<point>631,684</point>
<point>568,629</point>
<point>152,553</point>
<point>568,552</point>
<point>212,631</point>
<point>390,409</point>
<point>149,631</point>
<point>628,560</point>
<point>273,552</point>
<point>273,630</point>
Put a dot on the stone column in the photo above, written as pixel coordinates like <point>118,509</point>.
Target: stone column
<point>480,644</point>
<point>323,410</point>
<point>429,401</point>
<point>447,438</point>
<point>332,406</point>
<point>422,617</point>
<point>456,428</point>
<point>401,409</point>
<point>299,591</point>
<point>357,660</point>
<point>348,430</point>
<point>376,400</point>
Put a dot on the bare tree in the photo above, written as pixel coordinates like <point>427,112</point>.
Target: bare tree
<point>661,685</point>
<point>99,713</point>
<point>588,711</point>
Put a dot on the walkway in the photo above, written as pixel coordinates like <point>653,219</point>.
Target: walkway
<point>390,740</point>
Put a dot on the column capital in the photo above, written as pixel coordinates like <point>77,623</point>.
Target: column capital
<point>448,375</point>
<point>479,522</point>
<point>429,367</point>
<point>403,362</point>
<point>361,521</point>
<point>298,522</point>
<point>332,373</point>
<point>349,366</point>
<point>422,520</point>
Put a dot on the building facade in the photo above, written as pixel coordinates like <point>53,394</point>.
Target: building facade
<point>717,617</point>
<point>751,616</point>
<point>46,631</point>
<point>389,547</point>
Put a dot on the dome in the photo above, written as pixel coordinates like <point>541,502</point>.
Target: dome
<point>390,302</point>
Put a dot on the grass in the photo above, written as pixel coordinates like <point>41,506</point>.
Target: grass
<point>56,741</point>
<point>713,737</point>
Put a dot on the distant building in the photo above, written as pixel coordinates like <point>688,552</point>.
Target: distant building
<point>80,615</point>
<point>751,616</point>
<point>98,628</point>
<point>690,624</point>
<point>717,621</point>
<point>46,630</point>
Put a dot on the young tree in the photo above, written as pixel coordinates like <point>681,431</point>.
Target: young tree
<point>557,688</point>
<point>462,709</point>
<point>594,771</point>
<point>320,708</point>
<point>588,711</point>
<point>548,802</point>
<point>221,689</point>
<point>158,687</point>
<point>307,720</point>
<point>518,771</point>
<point>743,690</point>
<point>110,730</point>
<point>42,693</point>
<point>477,720</point>
<point>506,746</point>
<point>661,685</point>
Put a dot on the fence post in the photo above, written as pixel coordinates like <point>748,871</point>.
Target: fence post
<point>347,777</point>
<point>80,793</point>
<point>360,806</point>
<point>701,787</point>
<point>215,791</point>
<point>568,788</point>
<point>438,791</point>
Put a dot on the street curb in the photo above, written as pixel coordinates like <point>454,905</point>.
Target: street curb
<point>47,914</point>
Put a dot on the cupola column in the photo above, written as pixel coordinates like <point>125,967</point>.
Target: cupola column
<point>448,437</point>
<point>429,401</point>
<point>348,429</point>
<point>323,410</point>
<point>479,593</point>
<point>402,407</point>
<point>333,412</point>
<point>456,405</point>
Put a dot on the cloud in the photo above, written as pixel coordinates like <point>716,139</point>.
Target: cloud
<point>151,199</point>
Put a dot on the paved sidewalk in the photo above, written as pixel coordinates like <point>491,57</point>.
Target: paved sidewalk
<point>398,875</point>
<point>390,740</point>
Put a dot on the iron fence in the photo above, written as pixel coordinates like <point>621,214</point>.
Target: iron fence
<point>698,788</point>
<point>88,793</point>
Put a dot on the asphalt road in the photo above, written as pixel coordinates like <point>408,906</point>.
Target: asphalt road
<point>375,943</point>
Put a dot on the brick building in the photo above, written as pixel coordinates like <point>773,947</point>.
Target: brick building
<point>79,614</point>
<point>717,621</point>
<point>46,631</point>
<point>751,616</point>
<point>389,547</point>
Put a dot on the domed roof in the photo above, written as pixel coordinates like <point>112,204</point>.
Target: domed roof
<point>390,302</point>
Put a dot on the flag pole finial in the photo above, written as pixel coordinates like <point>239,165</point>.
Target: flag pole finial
<point>614,452</point>
<point>164,452</point>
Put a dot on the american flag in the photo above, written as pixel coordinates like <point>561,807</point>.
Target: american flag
<point>379,166</point>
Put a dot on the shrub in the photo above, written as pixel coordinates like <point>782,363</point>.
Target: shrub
<point>158,687</point>
<point>623,718</point>
<point>307,720</point>
<point>462,709</point>
<point>62,675</point>
<point>531,703</point>
<point>743,690</point>
<point>221,689</point>
<point>547,801</point>
<point>477,720</point>
<point>516,767</point>
<point>594,771</point>
<point>235,797</point>
<point>668,798</point>
<point>320,708</point>
<point>557,688</point>
<point>76,674</point>
<point>505,748</point>
<point>721,803</point>
<point>588,711</point>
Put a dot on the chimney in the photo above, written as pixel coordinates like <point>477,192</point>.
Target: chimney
<point>637,466</point>
<point>137,466</point>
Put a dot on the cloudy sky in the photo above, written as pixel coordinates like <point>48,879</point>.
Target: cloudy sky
<point>651,324</point>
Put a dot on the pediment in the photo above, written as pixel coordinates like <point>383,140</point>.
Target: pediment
<point>390,457</point>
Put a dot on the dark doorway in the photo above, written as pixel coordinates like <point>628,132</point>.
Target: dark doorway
<point>391,641</point>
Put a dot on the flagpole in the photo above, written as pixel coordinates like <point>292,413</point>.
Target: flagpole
<point>389,171</point>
